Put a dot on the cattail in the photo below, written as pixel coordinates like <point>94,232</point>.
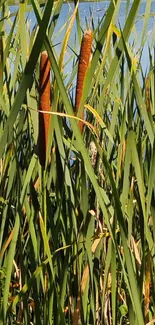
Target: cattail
<point>44,105</point>
<point>84,58</point>
<point>147,94</point>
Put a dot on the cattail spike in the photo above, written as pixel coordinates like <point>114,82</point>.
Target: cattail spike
<point>84,59</point>
<point>147,94</point>
<point>44,105</point>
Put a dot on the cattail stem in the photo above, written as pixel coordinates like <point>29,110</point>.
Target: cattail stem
<point>84,59</point>
<point>44,105</point>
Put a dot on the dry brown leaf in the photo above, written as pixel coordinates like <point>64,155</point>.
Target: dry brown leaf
<point>85,278</point>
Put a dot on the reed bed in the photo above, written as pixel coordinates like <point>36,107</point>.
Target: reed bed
<point>77,209</point>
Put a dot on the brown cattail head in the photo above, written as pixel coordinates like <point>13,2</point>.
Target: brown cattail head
<point>147,94</point>
<point>84,59</point>
<point>44,105</point>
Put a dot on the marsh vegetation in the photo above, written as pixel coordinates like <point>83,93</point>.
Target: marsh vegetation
<point>77,213</point>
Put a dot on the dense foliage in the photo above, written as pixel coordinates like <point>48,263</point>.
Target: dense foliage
<point>77,235</point>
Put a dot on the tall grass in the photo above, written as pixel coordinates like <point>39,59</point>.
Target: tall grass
<point>77,236</point>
